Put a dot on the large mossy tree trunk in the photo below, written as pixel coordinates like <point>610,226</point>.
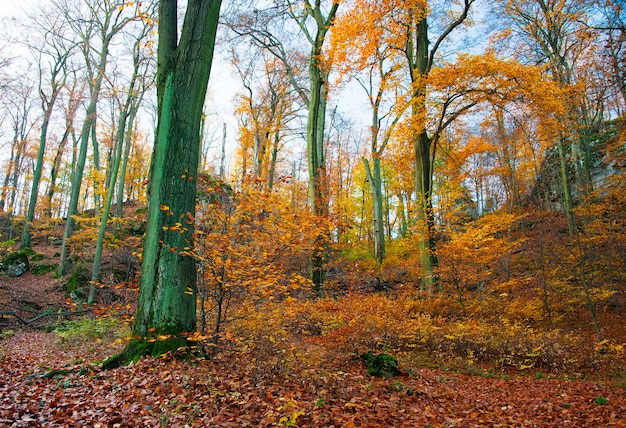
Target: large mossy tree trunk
<point>166,309</point>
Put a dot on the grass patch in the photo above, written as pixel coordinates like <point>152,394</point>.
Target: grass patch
<point>87,329</point>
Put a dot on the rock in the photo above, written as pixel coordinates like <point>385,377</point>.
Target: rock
<point>381,365</point>
<point>15,264</point>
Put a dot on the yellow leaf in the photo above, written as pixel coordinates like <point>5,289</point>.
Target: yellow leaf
<point>164,207</point>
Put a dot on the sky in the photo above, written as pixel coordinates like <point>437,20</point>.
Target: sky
<point>223,85</point>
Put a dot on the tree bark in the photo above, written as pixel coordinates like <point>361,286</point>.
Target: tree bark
<point>110,25</point>
<point>375,180</point>
<point>48,107</point>
<point>167,297</point>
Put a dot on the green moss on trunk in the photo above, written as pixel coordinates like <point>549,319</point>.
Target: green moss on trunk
<point>137,349</point>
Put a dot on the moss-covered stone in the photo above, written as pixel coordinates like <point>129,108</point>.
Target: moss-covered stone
<point>15,263</point>
<point>381,365</point>
<point>42,268</point>
<point>77,282</point>
<point>37,257</point>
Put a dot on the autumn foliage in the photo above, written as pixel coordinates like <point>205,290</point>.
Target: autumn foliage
<point>472,229</point>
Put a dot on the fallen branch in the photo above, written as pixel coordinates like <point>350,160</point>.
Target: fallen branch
<point>25,322</point>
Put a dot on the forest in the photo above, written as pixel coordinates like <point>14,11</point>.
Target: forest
<point>313,213</point>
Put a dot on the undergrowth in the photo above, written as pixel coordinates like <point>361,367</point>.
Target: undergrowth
<point>288,336</point>
<point>89,330</point>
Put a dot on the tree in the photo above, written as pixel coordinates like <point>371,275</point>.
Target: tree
<point>420,60</point>
<point>74,88</point>
<point>613,27</point>
<point>266,111</point>
<point>19,104</point>
<point>405,28</point>
<point>362,44</point>
<point>127,114</point>
<point>313,21</point>
<point>166,308</point>
<point>56,51</point>
<point>554,33</point>
<point>96,24</point>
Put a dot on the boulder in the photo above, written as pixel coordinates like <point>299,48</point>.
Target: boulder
<point>15,264</point>
<point>381,365</point>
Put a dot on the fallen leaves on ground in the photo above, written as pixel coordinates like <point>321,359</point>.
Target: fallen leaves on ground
<point>229,391</point>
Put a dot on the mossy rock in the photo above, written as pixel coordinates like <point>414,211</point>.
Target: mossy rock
<point>42,268</point>
<point>37,257</point>
<point>381,365</point>
<point>77,283</point>
<point>15,263</point>
<point>28,251</point>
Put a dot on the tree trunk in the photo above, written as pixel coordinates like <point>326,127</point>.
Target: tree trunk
<point>223,154</point>
<point>126,115</point>
<point>77,173</point>
<point>374,177</point>
<point>167,297</point>
<point>568,206</point>
<point>317,166</point>
<point>34,193</point>
<point>424,214</point>
<point>72,106</point>
<point>119,213</point>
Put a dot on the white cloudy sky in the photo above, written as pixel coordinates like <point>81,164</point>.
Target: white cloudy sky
<point>222,88</point>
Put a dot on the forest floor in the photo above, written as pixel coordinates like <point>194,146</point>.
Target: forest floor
<point>227,392</point>
<point>49,381</point>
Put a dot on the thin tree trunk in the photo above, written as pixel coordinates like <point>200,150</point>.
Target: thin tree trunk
<point>77,174</point>
<point>568,207</point>
<point>34,194</point>
<point>127,112</point>
<point>374,178</point>
<point>119,212</point>
<point>223,154</point>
